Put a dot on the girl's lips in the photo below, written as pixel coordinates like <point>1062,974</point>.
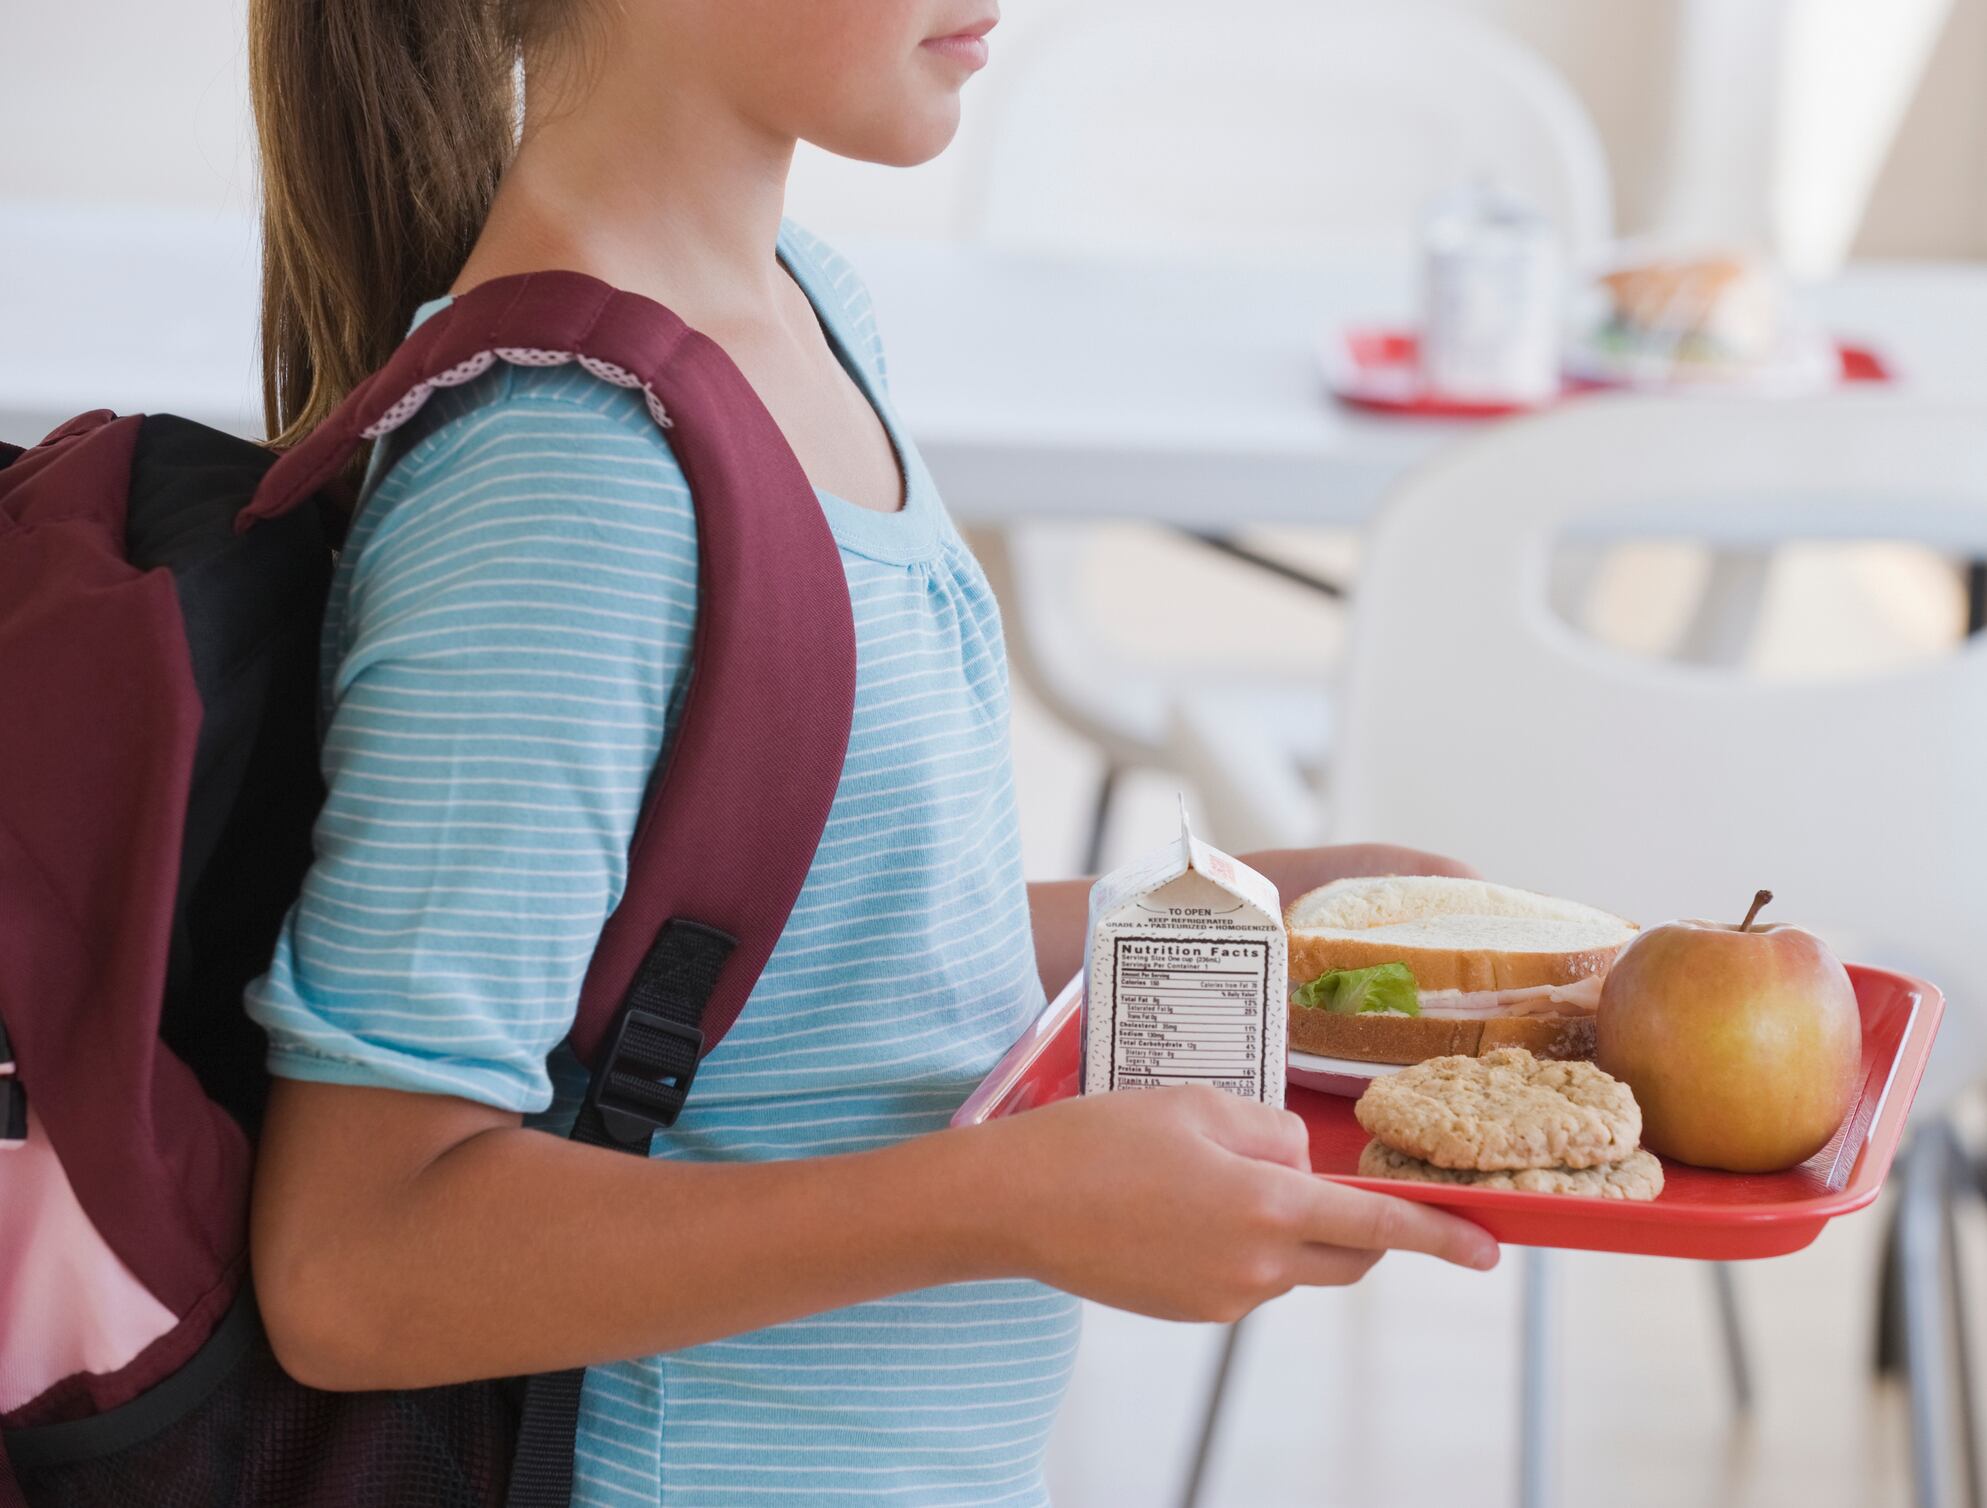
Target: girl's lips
<point>960,47</point>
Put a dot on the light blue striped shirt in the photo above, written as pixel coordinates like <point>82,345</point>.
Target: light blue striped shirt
<point>505,651</point>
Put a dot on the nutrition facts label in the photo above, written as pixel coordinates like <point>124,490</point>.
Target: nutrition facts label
<point>1189,1011</point>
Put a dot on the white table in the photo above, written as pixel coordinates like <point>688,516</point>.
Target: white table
<point>1173,392</point>
<point>1191,395</point>
<point>131,309</point>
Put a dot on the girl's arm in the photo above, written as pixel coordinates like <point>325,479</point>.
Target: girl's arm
<point>406,1240</point>
<point>1057,907</point>
<point>1058,910</point>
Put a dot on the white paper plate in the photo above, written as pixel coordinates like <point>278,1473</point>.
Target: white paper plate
<point>1346,1076</point>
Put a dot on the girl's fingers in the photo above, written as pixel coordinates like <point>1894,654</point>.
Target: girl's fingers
<point>1331,1266</point>
<point>1264,1133</point>
<point>1342,1216</point>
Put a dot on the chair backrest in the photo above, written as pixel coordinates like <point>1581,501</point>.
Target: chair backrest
<point>1479,722</point>
<point>1275,125</point>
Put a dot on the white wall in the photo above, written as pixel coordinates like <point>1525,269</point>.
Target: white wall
<point>162,115</point>
<point>1932,197</point>
<point>141,100</point>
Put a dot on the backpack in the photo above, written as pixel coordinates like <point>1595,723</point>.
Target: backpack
<point>161,594</point>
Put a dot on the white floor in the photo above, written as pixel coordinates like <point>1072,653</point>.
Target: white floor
<point>1402,1391</point>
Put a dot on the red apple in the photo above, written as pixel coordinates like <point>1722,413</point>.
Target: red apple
<point>1743,1044</point>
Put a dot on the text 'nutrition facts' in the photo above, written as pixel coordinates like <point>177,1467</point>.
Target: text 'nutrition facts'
<point>1190,1011</point>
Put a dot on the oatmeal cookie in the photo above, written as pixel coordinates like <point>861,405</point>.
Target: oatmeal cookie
<point>1637,1176</point>
<point>1504,1111</point>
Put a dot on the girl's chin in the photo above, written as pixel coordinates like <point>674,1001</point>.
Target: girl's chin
<point>904,143</point>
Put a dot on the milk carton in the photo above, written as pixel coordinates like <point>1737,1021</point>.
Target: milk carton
<point>1188,980</point>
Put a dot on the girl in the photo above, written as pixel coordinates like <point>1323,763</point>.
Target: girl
<point>826,1296</point>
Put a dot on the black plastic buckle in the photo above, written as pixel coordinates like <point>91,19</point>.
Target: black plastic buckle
<point>13,1098</point>
<point>13,1111</point>
<point>645,1076</point>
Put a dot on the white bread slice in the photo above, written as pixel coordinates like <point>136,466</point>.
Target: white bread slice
<point>1452,934</point>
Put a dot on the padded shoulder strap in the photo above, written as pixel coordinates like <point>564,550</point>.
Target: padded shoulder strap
<point>733,814</point>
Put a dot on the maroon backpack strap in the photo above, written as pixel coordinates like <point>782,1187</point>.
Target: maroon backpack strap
<point>733,816</point>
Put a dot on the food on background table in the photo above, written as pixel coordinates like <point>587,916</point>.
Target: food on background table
<point>1725,322</point>
<point>1743,1044</point>
<point>1508,1120</point>
<point>1705,312</point>
<point>1399,968</point>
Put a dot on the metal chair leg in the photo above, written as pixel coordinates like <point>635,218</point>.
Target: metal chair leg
<point>1962,1179</point>
<point>1722,626</point>
<point>1100,819</point>
<point>1211,1417</point>
<point>1887,1353</point>
<point>1535,1386</point>
<point>1920,1262</point>
<point>1738,1365</point>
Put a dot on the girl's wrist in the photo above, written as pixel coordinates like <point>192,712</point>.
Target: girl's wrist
<point>973,1200</point>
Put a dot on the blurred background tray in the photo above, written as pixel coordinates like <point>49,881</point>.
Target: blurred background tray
<point>1378,368</point>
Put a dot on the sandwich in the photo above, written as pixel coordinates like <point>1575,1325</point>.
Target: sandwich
<point>1398,968</point>
<point>1707,313</point>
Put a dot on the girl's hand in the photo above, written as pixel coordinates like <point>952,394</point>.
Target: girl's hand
<point>1191,1204</point>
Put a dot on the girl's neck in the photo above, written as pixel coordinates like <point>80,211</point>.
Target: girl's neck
<point>653,187</point>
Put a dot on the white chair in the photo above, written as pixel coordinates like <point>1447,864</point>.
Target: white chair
<point>1478,722</point>
<point>1266,127</point>
<point>1128,708</point>
<point>1272,126</point>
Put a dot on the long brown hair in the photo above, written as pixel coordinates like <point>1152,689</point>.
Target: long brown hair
<point>383,126</point>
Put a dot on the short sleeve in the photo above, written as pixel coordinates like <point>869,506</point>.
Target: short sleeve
<point>515,630</point>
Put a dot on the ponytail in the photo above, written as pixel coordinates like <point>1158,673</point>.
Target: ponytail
<point>383,126</point>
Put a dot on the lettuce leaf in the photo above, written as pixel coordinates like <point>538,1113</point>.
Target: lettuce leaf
<point>1384,987</point>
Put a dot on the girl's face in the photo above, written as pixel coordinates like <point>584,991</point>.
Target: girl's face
<point>877,80</point>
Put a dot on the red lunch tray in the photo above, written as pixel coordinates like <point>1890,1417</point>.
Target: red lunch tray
<point>1714,1216</point>
<point>1378,367</point>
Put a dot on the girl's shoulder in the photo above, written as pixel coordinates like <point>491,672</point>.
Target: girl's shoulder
<point>590,419</point>
<point>548,437</point>
<point>546,472</point>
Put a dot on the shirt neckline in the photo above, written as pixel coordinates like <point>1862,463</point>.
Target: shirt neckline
<point>909,533</point>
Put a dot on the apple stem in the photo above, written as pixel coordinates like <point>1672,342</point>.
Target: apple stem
<point>1760,898</point>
